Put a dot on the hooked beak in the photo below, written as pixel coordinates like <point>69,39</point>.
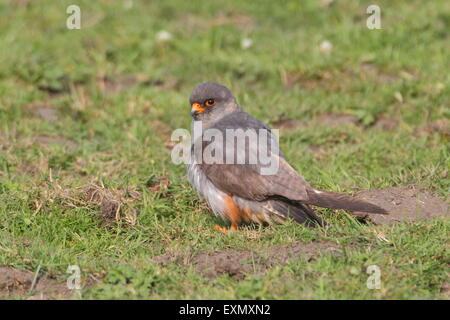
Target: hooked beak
<point>196,108</point>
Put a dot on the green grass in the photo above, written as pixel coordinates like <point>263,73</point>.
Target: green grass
<point>116,138</point>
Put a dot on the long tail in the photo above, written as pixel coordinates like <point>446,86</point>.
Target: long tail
<point>335,200</point>
<point>300,212</point>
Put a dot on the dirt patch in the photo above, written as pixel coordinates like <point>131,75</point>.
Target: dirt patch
<point>14,282</point>
<point>445,290</point>
<point>336,119</point>
<point>404,204</point>
<point>343,79</point>
<point>114,205</point>
<point>374,73</point>
<point>34,168</point>
<point>169,83</point>
<point>21,3</point>
<point>386,124</point>
<point>239,20</point>
<point>327,119</point>
<point>45,140</point>
<point>164,131</point>
<point>287,124</point>
<point>119,83</point>
<point>311,81</point>
<point>195,23</point>
<point>116,83</point>
<point>44,111</point>
<point>441,127</point>
<point>41,140</point>
<point>237,264</point>
<point>159,185</point>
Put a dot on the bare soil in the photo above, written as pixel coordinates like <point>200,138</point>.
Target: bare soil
<point>43,110</point>
<point>386,123</point>
<point>114,205</point>
<point>287,124</point>
<point>342,119</point>
<point>445,290</point>
<point>345,78</point>
<point>237,264</point>
<point>333,119</point>
<point>441,127</point>
<point>117,83</point>
<point>404,204</point>
<point>45,140</point>
<point>326,119</point>
<point>14,282</point>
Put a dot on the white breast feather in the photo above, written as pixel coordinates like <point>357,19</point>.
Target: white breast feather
<point>206,190</point>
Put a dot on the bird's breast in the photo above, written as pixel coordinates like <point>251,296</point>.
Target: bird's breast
<point>207,190</point>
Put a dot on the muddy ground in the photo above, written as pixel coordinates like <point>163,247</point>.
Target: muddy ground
<point>404,204</point>
<point>14,282</point>
<point>237,264</point>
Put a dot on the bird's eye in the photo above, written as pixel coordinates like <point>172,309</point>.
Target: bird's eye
<point>210,102</point>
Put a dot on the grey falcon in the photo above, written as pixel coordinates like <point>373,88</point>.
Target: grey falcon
<point>238,192</point>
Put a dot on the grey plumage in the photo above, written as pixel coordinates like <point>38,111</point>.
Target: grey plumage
<point>259,198</point>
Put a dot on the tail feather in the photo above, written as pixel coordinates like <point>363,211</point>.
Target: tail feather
<point>300,212</point>
<point>335,200</point>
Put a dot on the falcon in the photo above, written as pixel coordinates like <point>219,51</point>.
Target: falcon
<point>239,191</point>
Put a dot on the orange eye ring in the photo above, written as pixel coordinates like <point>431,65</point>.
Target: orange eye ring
<point>210,102</point>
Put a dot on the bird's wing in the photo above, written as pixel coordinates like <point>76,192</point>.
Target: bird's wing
<point>246,181</point>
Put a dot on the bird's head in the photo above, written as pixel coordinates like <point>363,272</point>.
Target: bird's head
<point>211,101</point>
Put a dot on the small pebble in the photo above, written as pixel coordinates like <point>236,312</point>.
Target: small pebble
<point>163,36</point>
<point>246,43</point>
<point>325,47</point>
